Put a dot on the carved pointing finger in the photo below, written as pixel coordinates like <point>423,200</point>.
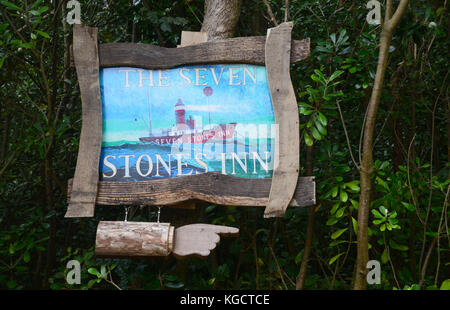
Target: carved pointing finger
<point>199,239</point>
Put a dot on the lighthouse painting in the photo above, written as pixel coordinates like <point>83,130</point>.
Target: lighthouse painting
<point>186,120</point>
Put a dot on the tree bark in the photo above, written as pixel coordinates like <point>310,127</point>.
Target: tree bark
<point>221,18</point>
<point>367,157</point>
<point>127,239</point>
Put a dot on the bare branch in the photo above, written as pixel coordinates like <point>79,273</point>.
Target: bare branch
<point>286,11</point>
<point>346,135</point>
<point>269,11</point>
<point>393,22</point>
<point>388,12</point>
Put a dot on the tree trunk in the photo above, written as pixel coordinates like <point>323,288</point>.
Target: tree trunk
<point>221,18</point>
<point>367,157</point>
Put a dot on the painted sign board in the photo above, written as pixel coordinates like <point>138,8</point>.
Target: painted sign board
<point>185,121</point>
<point>215,121</point>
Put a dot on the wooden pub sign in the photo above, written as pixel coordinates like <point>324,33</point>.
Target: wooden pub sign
<point>214,121</point>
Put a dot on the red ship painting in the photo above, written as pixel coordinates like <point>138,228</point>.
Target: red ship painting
<point>186,131</point>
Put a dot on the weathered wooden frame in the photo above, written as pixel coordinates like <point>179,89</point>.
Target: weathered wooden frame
<point>277,52</point>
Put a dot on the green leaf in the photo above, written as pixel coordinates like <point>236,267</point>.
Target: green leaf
<point>331,221</point>
<point>26,257</point>
<point>42,9</point>
<point>315,78</point>
<point>384,256</point>
<point>384,165</point>
<point>308,140</point>
<point>103,271</point>
<point>11,284</point>
<point>333,38</point>
<point>335,207</point>
<point>377,214</point>
<point>342,37</point>
<point>378,222</point>
<point>321,128</point>
<point>11,6</point>
<point>94,272</point>
<point>316,134</point>
<point>337,242</point>
<point>397,246</point>
<point>3,27</point>
<point>322,118</point>
<point>355,225</point>
<point>335,74</point>
<point>340,212</point>
<point>353,185</point>
<point>382,183</point>
<point>91,282</point>
<point>334,191</point>
<point>320,75</point>
<point>299,257</point>
<point>336,234</point>
<point>44,34</point>
<point>408,206</point>
<point>2,60</point>
<point>383,210</point>
<point>445,286</point>
<point>304,111</point>
<point>343,195</point>
<point>333,259</point>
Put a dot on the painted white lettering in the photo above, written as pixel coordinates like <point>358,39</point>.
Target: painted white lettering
<point>198,76</point>
<point>142,78</point>
<point>127,164</point>
<point>127,71</point>
<point>109,165</point>
<point>162,78</point>
<point>188,80</point>
<point>138,165</point>
<point>167,167</point>
<point>243,165</point>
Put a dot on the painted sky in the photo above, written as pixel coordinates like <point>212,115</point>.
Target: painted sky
<point>126,109</point>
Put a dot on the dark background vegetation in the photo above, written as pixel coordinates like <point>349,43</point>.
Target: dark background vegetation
<point>40,122</point>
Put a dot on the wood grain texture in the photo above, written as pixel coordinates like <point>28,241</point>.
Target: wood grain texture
<point>212,187</point>
<point>84,192</point>
<point>287,143</point>
<point>127,239</point>
<point>248,50</point>
<point>199,239</point>
<point>192,38</point>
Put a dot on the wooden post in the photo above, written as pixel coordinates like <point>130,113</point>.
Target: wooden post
<point>192,38</point>
<point>84,190</point>
<point>287,141</point>
<point>126,239</point>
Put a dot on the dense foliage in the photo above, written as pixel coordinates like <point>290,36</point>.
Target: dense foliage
<point>40,121</point>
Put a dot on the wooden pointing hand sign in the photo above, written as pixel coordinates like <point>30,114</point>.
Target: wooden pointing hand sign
<point>200,239</point>
<point>140,239</point>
